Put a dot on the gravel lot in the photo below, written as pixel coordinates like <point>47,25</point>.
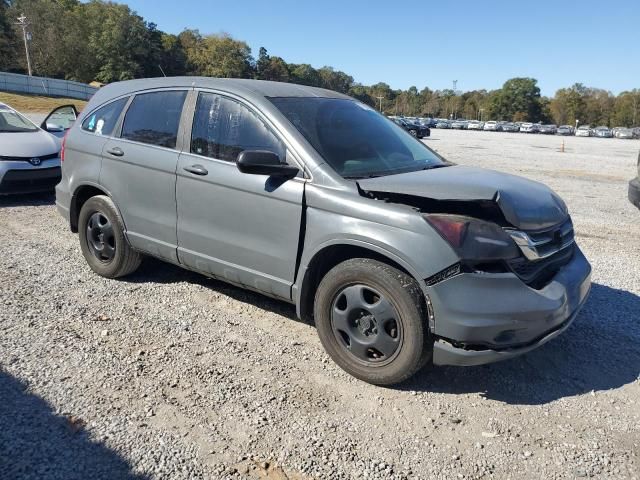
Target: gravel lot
<point>168,374</point>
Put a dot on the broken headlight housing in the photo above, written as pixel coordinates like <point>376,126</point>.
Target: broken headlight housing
<point>473,239</point>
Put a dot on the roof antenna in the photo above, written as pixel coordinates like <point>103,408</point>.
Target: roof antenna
<point>160,67</point>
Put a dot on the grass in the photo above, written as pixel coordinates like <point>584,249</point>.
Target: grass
<point>37,104</point>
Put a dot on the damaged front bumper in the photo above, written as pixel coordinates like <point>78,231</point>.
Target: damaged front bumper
<point>482,318</point>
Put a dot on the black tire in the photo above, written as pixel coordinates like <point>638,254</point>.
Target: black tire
<point>414,344</point>
<point>413,133</point>
<point>116,258</point>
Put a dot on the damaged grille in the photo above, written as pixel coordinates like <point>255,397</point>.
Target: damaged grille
<point>544,253</point>
<point>543,244</point>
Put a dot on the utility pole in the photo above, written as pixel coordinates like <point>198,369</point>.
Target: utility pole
<point>380,98</point>
<point>22,22</point>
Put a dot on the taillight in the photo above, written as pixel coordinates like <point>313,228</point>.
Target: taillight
<point>64,139</point>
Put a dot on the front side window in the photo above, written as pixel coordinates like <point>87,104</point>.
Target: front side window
<point>222,128</point>
<point>354,139</point>
<point>103,120</point>
<point>154,118</point>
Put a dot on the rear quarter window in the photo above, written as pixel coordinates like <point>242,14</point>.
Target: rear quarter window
<point>103,120</point>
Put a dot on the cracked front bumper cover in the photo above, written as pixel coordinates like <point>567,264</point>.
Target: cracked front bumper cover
<point>487,318</point>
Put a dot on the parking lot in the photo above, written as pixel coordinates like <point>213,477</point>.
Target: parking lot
<point>167,374</point>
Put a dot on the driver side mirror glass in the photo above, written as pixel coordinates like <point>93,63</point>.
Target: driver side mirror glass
<point>60,119</point>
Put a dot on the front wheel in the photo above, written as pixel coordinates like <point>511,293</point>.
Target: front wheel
<point>371,320</point>
<point>413,133</point>
<point>102,240</point>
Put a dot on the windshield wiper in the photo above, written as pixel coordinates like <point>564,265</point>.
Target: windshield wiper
<point>431,167</point>
<point>360,177</point>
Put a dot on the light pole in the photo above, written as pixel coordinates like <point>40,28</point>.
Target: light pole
<point>481,113</point>
<point>380,98</point>
<point>22,22</point>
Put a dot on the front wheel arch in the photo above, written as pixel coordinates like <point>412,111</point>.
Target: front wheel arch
<point>327,258</point>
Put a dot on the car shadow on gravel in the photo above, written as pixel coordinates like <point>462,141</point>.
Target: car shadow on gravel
<point>27,200</point>
<point>35,443</point>
<point>600,351</point>
<point>154,270</point>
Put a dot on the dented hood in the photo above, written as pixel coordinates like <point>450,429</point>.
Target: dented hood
<point>525,204</point>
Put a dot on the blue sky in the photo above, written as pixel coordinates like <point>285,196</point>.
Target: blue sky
<point>480,43</point>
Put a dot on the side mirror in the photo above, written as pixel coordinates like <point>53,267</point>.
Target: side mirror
<point>53,127</point>
<point>60,119</point>
<point>262,162</point>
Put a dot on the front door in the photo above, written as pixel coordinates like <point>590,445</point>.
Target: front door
<point>240,227</point>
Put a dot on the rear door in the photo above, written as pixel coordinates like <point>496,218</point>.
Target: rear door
<point>240,227</point>
<point>139,170</point>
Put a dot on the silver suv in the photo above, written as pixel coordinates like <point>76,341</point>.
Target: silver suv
<point>309,196</point>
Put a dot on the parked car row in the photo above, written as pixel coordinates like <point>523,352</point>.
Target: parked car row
<point>523,127</point>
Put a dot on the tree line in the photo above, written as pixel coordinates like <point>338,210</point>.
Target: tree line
<point>106,42</point>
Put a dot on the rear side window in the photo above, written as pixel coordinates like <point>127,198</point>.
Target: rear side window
<point>103,120</point>
<point>222,128</point>
<point>154,118</point>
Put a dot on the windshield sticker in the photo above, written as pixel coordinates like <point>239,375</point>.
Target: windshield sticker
<point>92,123</point>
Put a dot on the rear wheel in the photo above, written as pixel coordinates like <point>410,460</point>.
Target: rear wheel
<point>102,239</point>
<point>413,133</point>
<point>371,319</point>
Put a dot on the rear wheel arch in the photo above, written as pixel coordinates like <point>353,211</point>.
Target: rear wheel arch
<point>78,199</point>
<point>327,258</point>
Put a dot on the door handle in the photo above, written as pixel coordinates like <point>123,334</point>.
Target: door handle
<point>116,152</point>
<point>196,170</point>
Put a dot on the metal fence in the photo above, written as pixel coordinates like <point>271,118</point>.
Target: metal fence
<point>50,87</point>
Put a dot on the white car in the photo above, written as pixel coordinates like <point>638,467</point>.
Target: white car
<point>528,127</point>
<point>491,126</point>
<point>30,155</point>
<point>475,125</point>
<point>583,131</point>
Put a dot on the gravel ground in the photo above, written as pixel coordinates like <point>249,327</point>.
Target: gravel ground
<point>168,374</point>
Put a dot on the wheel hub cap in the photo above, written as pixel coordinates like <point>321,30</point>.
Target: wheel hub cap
<point>101,237</point>
<point>366,324</point>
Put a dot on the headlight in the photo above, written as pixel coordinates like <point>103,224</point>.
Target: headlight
<point>474,239</point>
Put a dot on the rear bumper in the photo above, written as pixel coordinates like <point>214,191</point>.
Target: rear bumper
<point>634,191</point>
<point>22,177</point>
<point>484,318</point>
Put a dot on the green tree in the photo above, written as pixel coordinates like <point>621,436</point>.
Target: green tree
<point>8,39</point>
<point>271,68</point>
<point>304,74</point>
<point>52,35</point>
<point>518,95</point>
<point>569,105</point>
<point>335,79</point>
<point>626,110</point>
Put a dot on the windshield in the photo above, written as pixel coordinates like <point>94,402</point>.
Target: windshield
<point>354,139</point>
<point>13,122</point>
